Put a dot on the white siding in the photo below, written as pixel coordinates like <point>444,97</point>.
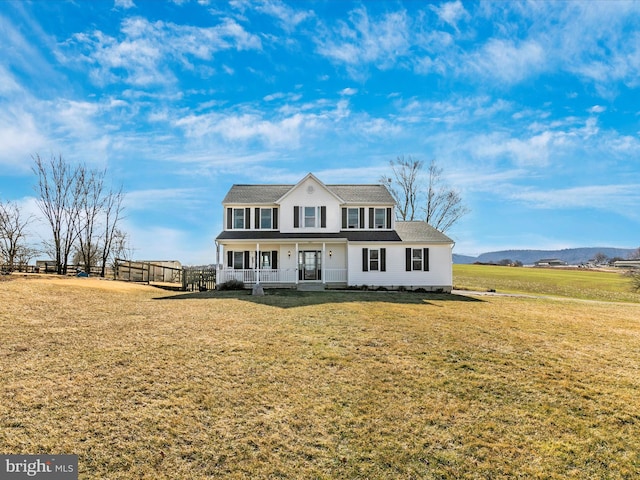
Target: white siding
<point>438,276</point>
<point>304,196</point>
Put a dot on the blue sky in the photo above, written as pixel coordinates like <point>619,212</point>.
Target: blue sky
<point>531,108</point>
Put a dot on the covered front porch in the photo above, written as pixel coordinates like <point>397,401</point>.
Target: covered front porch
<point>284,265</point>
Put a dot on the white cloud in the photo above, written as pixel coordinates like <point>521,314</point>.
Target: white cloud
<point>364,40</point>
<point>597,109</point>
<point>147,49</point>
<point>451,13</point>
<point>288,17</point>
<point>124,4</point>
<point>348,91</point>
<point>506,60</point>
<point>623,198</point>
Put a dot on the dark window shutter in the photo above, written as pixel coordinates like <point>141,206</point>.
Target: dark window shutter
<point>296,217</point>
<point>344,218</point>
<point>274,214</point>
<point>257,219</point>
<point>365,259</point>
<point>389,217</point>
<point>383,259</point>
<point>230,259</point>
<point>408,259</point>
<point>274,259</point>
<point>246,259</point>
<point>323,217</point>
<point>229,218</point>
<point>361,217</point>
<point>371,220</point>
<point>247,218</point>
<point>425,259</point>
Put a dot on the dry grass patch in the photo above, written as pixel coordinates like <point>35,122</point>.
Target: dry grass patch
<point>146,384</point>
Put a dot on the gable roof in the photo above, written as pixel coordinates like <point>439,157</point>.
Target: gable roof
<point>420,232</point>
<point>271,194</point>
<point>314,179</point>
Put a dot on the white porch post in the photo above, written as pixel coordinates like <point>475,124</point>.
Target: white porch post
<point>297,264</point>
<point>324,261</point>
<point>257,263</point>
<point>218,269</point>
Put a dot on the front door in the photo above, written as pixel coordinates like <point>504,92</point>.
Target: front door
<point>310,265</point>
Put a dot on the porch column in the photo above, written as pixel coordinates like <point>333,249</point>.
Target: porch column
<point>257,263</point>
<point>217,269</point>
<point>324,261</point>
<point>297,264</point>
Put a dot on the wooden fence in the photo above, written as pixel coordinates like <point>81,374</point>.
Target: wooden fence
<point>200,279</point>
<point>186,279</point>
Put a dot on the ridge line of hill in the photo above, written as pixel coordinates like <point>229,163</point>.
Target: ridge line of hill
<point>572,256</point>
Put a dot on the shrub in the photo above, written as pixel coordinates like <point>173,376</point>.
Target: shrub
<point>231,285</point>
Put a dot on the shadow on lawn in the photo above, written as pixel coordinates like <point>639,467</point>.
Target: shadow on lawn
<point>285,298</point>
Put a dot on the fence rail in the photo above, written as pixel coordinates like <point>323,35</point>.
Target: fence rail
<point>186,279</point>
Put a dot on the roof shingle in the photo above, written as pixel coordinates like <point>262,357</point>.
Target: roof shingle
<point>269,194</point>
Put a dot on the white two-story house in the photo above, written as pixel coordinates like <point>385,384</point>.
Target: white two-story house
<point>332,236</point>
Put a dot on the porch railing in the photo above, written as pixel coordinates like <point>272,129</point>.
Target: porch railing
<point>289,275</point>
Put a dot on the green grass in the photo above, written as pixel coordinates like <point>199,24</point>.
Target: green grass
<point>146,384</point>
<point>580,283</point>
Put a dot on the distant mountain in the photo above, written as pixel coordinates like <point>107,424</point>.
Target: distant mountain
<point>573,256</point>
<point>463,259</point>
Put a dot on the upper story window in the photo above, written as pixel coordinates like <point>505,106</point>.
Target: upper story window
<point>380,218</point>
<point>238,218</point>
<point>353,217</point>
<point>266,218</point>
<point>309,217</point>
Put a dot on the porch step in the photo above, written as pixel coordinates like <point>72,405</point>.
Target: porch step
<point>311,287</point>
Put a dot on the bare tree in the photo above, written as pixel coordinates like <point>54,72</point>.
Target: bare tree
<point>12,233</point>
<point>113,240</point>
<point>404,186</point>
<point>444,206</point>
<point>600,258</point>
<point>58,197</point>
<point>91,202</point>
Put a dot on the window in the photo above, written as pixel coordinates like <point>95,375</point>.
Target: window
<point>238,217</point>
<point>265,260</point>
<point>265,218</point>
<point>353,218</point>
<point>309,217</point>
<point>417,259</point>
<point>238,260</point>
<point>374,259</point>
<point>380,218</point>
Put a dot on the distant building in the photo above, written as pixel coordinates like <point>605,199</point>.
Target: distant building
<point>627,264</point>
<point>550,262</point>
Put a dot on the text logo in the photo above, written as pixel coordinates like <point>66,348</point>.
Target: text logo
<point>45,467</point>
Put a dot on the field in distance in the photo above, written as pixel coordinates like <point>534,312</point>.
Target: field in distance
<point>144,383</point>
<point>586,284</point>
